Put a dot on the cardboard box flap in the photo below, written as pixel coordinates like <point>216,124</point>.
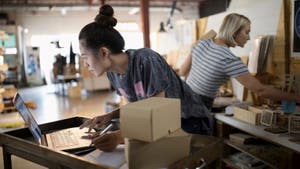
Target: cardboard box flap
<point>152,103</point>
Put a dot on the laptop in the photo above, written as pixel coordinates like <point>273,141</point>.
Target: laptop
<point>71,140</point>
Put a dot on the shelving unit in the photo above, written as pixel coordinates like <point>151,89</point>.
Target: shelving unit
<point>3,68</point>
<point>275,150</point>
<point>13,56</point>
<point>231,163</point>
<point>269,154</point>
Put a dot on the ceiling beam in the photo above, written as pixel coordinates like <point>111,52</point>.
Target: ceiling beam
<point>71,3</point>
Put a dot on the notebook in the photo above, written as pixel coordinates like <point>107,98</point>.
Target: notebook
<point>71,140</point>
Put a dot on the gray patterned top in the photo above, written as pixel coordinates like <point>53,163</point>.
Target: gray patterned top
<point>149,74</point>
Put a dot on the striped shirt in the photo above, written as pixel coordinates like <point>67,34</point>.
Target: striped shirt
<point>212,65</point>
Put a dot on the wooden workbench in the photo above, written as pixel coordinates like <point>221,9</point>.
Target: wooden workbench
<point>204,149</point>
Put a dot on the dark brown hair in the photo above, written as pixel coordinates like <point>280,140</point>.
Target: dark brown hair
<point>101,33</point>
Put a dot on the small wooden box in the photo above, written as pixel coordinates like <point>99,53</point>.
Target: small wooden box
<point>294,123</point>
<point>252,117</point>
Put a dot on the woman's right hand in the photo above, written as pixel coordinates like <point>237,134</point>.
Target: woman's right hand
<point>96,122</point>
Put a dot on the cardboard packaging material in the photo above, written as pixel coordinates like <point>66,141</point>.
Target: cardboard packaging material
<point>255,109</point>
<point>150,119</point>
<point>252,117</point>
<point>157,154</point>
<point>74,91</point>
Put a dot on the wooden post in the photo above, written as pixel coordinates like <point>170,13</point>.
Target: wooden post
<point>145,22</point>
<point>287,28</point>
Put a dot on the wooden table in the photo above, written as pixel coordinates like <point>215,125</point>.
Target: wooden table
<point>203,149</point>
<point>15,143</point>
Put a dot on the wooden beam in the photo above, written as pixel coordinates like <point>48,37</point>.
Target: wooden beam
<point>145,22</point>
<point>287,27</point>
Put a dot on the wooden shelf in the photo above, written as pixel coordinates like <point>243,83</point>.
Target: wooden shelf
<point>230,162</point>
<point>267,153</point>
<point>275,150</point>
<point>258,131</point>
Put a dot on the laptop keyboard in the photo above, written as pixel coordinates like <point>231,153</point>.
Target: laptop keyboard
<point>64,138</point>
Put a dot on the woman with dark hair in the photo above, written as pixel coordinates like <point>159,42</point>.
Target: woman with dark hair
<point>136,75</point>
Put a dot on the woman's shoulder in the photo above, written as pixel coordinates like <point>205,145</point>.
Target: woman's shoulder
<point>142,53</point>
<point>146,52</point>
<point>204,41</point>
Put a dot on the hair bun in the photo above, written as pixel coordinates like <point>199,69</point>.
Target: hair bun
<point>105,17</point>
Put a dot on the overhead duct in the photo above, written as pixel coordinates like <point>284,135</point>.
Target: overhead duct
<point>211,7</point>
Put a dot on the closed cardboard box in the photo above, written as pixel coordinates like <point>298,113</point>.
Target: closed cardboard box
<point>157,154</point>
<point>150,119</point>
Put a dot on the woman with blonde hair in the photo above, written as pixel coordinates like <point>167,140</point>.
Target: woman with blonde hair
<point>212,63</point>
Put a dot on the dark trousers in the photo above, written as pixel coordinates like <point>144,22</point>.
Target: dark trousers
<point>208,101</point>
<point>198,125</point>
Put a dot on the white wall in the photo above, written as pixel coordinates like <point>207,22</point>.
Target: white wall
<point>45,22</point>
<point>264,16</point>
<point>46,25</point>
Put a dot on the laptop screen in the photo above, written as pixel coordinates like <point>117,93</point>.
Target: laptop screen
<point>28,118</point>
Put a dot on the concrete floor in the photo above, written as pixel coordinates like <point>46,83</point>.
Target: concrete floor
<point>52,107</point>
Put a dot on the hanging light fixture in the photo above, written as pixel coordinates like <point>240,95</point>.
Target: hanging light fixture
<point>162,27</point>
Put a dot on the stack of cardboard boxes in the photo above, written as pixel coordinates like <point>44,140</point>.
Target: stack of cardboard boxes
<point>153,134</point>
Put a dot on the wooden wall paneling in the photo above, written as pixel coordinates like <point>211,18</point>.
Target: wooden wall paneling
<point>279,68</point>
<point>278,54</point>
<point>201,27</point>
<point>287,27</point>
<point>295,69</point>
<point>294,63</point>
<point>278,59</point>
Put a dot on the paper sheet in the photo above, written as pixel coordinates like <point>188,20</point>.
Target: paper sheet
<point>114,159</point>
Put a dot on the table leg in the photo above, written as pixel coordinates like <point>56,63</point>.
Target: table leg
<point>6,159</point>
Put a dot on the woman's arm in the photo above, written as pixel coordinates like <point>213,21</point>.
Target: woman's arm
<point>258,88</point>
<point>161,94</point>
<point>185,67</point>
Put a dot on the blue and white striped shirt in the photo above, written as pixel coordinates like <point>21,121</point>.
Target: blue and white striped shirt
<point>212,65</point>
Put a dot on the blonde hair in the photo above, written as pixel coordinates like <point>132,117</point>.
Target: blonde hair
<point>231,24</point>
